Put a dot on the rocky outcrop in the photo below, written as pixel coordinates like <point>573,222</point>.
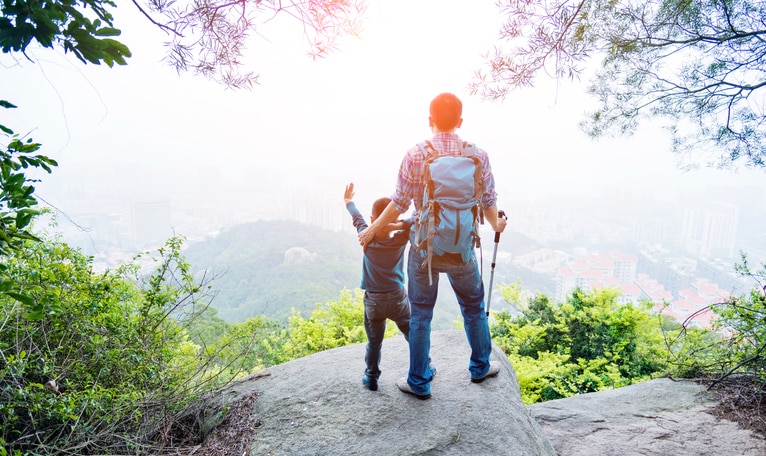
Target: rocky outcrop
<point>317,406</point>
<point>655,418</point>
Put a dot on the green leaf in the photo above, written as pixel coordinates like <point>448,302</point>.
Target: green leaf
<point>108,31</point>
<point>34,316</point>
<point>6,285</point>
<point>26,235</point>
<point>24,217</point>
<point>22,298</point>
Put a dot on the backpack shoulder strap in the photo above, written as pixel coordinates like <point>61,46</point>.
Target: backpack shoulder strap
<point>468,148</point>
<point>427,148</point>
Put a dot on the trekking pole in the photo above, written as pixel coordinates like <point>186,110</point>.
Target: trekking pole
<point>494,257</point>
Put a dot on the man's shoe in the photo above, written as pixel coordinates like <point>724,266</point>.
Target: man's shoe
<point>370,383</point>
<point>494,369</point>
<point>404,387</point>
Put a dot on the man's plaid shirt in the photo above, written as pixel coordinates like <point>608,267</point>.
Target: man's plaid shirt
<point>409,185</point>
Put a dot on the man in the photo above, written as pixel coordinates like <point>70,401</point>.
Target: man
<point>444,119</point>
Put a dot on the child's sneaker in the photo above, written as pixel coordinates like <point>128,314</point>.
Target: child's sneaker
<point>370,383</point>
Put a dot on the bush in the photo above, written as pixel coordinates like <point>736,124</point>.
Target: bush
<point>95,363</point>
<point>738,343</point>
<point>589,343</point>
<point>743,318</point>
<point>331,325</point>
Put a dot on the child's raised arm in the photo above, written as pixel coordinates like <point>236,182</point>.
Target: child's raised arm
<point>349,194</point>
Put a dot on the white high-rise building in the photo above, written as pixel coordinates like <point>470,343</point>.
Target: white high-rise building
<point>710,231</point>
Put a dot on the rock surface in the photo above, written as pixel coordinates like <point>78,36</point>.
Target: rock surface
<point>659,417</point>
<point>317,406</point>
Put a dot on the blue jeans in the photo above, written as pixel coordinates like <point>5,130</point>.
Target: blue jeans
<point>467,283</point>
<point>378,307</point>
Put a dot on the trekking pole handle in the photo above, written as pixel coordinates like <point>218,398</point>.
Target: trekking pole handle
<point>497,233</point>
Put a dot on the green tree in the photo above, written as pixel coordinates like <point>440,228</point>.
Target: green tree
<point>743,319</point>
<point>331,325</point>
<point>207,38</point>
<point>100,363</point>
<point>18,205</point>
<point>17,200</point>
<point>589,343</point>
<point>694,352</point>
<point>695,65</point>
<point>736,347</point>
<point>249,346</point>
<point>63,24</point>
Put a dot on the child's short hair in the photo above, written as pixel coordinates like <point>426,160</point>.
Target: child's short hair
<point>379,206</point>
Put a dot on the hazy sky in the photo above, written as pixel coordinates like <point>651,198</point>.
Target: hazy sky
<point>311,126</point>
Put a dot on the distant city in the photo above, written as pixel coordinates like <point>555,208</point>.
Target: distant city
<point>679,253</point>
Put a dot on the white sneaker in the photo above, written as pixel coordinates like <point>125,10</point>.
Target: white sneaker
<point>494,369</point>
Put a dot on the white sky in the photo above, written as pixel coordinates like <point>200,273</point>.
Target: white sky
<point>312,126</point>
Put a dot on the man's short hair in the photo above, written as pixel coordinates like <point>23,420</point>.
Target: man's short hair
<point>379,206</point>
<point>446,110</point>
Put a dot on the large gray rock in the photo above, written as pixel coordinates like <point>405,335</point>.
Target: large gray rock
<point>317,405</point>
<point>654,418</point>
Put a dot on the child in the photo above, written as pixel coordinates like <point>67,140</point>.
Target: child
<point>382,281</point>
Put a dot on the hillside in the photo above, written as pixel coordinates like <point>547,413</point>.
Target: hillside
<point>270,267</point>
<point>256,275</point>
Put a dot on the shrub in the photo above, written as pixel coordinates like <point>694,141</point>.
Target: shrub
<point>331,325</point>
<point>589,343</point>
<point>738,343</point>
<point>95,363</point>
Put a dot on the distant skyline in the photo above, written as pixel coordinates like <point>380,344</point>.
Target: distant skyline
<point>144,132</point>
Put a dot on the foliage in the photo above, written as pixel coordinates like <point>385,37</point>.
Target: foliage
<point>18,205</point>
<point>97,362</point>
<point>696,65</point>
<point>249,346</point>
<point>331,325</point>
<point>17,200</point>
<point>64,24</point>
<point>738,343</point>
<point>589,343</point>
<point>744,319</point>
<point>208,38</point>
<point>693,352</point>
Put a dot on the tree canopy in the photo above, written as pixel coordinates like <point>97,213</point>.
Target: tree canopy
<point>696,65</point>
<point>207,38</point>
